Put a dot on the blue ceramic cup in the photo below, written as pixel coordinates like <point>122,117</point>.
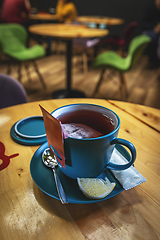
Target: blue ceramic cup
<point>88,157</point>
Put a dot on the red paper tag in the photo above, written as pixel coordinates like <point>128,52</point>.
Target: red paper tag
<point>54,136</point>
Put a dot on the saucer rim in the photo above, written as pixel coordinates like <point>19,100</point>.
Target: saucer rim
<point>84,200</point>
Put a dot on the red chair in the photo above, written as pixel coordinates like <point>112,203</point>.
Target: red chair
<point>121,42</point>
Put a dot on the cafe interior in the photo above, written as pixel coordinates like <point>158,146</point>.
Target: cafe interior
<point>80,122</point>
<point>141,80</point>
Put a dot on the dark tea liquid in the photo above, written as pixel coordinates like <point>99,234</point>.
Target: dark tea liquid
<point>95,120</point>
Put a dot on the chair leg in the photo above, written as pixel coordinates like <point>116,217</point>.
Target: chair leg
<point>123,86</point>
<point>27,71</point>
<point>9,68</point>
<point>121,53</point>
<point>40,76</point>
<point>154,79</point>
<point>99,82</point>
<point>58,48</point>
<point>85,62</point>
<point>19,71</point>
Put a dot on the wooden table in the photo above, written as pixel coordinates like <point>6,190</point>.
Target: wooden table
<point>67,32</point>
<point>99,20</point>
<point>28,213</point>
<point>43,16</point>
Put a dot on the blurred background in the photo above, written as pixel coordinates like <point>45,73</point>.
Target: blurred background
<point>128,10</point>
<point>142,82</point>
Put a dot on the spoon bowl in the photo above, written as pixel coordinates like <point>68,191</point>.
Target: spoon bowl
<point>49,158</point>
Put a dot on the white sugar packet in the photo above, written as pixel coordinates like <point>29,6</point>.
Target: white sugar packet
<point>128,178</point>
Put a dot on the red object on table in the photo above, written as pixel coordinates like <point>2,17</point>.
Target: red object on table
<point>5,159</point>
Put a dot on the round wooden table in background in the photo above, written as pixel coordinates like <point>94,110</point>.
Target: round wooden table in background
<point>27,213</point>
<point>67,32</point>
<point>82,19</point>
<point>43,16</point>
<point>99,20</point>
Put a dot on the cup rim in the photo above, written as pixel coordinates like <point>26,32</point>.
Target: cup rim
<point>90,104</point>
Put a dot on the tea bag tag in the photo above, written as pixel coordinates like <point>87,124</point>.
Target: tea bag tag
<point>54,136</point>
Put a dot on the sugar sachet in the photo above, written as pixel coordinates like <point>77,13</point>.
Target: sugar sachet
<point>129,177</point>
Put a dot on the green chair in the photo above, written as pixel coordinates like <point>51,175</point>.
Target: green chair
<point>13,41</point>
<point>111,60</point>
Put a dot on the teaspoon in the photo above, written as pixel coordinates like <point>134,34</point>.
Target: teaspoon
<point>50,160</point>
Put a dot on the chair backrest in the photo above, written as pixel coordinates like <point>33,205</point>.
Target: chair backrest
<point>128,31</point>
<point>11,91</point>
<point>13,37</point>
<point>136,48</point>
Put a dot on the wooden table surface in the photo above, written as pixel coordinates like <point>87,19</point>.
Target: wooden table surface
<point>28,213</point>
<point>82,19</point>
<point>62,30</point>
<point>43,16</point>
<point>100,20</point>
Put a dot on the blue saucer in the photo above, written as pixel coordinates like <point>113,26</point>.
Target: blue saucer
<point>44,179</point>
<point>26,141</point>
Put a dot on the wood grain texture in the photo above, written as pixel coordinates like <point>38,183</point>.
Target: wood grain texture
<point>28,213</point>
<point>147,115</point>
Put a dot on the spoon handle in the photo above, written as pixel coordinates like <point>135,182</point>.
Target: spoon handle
<point>60,189</point>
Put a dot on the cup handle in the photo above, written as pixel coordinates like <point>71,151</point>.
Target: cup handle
<point>132,149</point>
